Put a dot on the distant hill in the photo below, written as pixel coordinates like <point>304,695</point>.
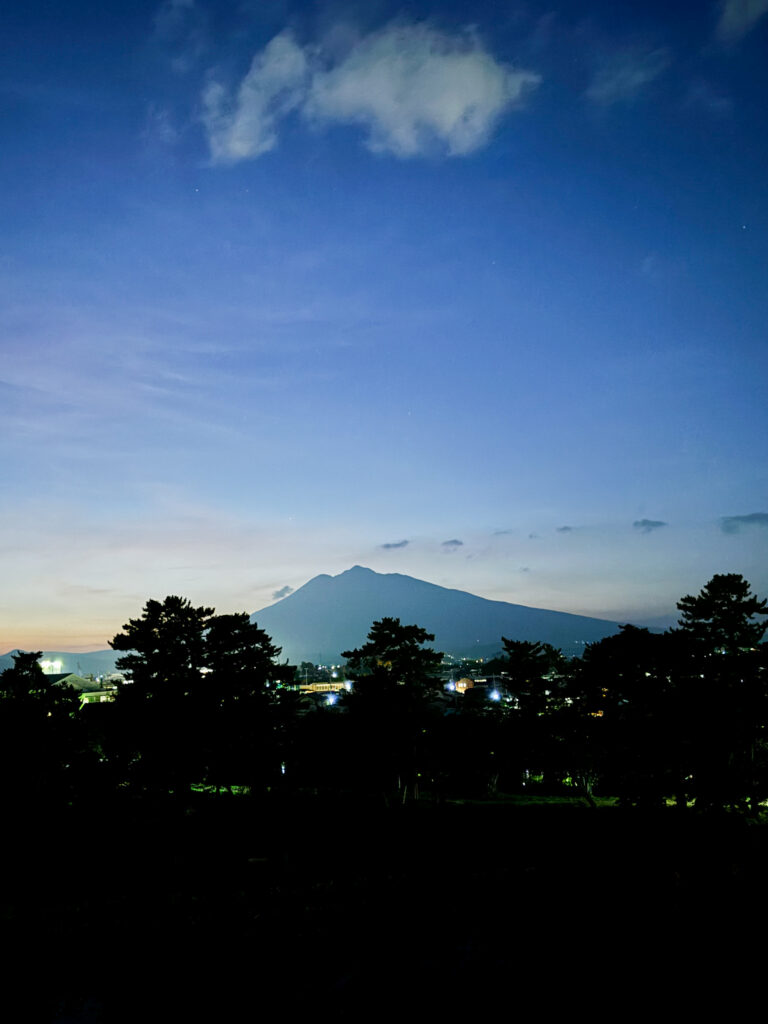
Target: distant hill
<point>97,663</point>
<point>331,614</point>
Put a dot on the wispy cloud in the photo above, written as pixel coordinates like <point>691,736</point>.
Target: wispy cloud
<point>394,544</point>
<point>703,96</point>
<point>455,543</point>
<point>79,590</point>
<point>565,529</point>
<point>159,126</point>
<point>414,90</point>
<point>735,524</point>
<point>737,17</point>
<point>648,525</point>
<point>282,592</point>
<point>180,27</point>
<point>623,75</point>
<point>171,17</point>
<point>245,126</point>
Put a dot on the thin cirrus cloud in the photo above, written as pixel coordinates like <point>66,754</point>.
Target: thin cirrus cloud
<point>735,524</point>
<point>648,525</point>
<point>394,544</point>
<point>703,96</point>
<point>413,89</point>
<point>451,545</point>
<point>625,74</point>
<point>737,17</point>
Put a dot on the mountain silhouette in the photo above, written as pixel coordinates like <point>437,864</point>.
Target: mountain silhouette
<point>331,614</point>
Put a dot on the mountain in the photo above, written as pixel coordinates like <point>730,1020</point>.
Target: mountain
<point>331,614</point>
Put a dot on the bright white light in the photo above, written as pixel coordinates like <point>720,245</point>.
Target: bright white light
<point>331,699</point>
<point>451,685</point>
<point>494,695</point>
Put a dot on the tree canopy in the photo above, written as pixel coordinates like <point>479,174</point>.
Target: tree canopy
<point>25,684</point>
<point>394,652</point>
<point>24,679</point>
<point>722,614</point>
<point>166,648</point>
<point>239,656</point>
<point>196,708</point>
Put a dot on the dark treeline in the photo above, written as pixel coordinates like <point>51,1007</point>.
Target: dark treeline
<point>642,717</point>
<point>207,813</point>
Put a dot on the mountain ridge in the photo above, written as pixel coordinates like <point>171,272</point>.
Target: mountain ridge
<point>329,614</point>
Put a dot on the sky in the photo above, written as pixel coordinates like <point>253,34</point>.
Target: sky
<point>288,287</point>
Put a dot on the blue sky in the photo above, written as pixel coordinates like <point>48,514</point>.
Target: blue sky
<point>286,285</point>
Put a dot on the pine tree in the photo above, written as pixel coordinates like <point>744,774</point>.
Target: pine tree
<point>722,614</point>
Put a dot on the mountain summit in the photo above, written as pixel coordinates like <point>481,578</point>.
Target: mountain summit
<point>331,614</point>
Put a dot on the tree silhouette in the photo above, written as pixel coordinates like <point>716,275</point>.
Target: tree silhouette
<point>390,705</point>
<point>196,708</point>
<point>25,685</point>
<point>239,657</point>
<point>25,680</point>
<point>39,731</point>
<point>166,649</point>
<point>238,725</point>
<point>722,681</point>
<point>528,666</point>
<point>624,682</point>
<point>721,615</point>
<point>393,653</point>
<point>157,735</point>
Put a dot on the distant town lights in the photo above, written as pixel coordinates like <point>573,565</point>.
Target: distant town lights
<point>50,667</point>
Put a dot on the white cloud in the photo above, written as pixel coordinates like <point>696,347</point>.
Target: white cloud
<point>625,74</point>
<point>275,85</point>
<point>738,17</point>
<point>414,89</point>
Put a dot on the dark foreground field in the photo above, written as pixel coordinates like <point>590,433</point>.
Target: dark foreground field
<point>235,910</point>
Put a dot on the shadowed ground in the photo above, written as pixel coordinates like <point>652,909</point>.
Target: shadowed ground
<point>229,907</point>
